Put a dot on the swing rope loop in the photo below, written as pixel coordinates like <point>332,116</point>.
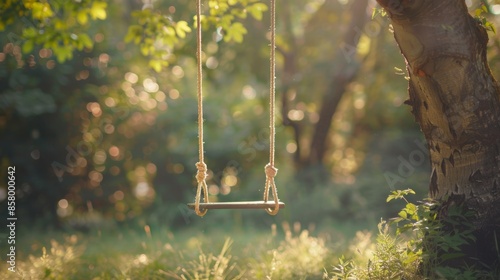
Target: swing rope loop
<point>201,166</point>
<point>202,185</point>
<point>270,170</point>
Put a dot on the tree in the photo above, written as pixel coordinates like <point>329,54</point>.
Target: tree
<point>456,101</point>
<point>344,72</point>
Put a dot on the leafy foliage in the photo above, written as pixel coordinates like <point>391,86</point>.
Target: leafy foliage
<point>421,247</point>
<point>57,25</point>
<point>157,34</point>
<point>479,16</point>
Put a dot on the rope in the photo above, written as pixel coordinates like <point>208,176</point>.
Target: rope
<point>200,165</point>
<point>270,170</point>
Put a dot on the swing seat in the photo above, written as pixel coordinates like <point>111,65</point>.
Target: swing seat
<point>238,205</point>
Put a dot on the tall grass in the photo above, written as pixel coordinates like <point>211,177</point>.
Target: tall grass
<point>284,253</point>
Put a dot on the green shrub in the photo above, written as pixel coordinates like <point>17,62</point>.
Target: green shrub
<point>416,245</point>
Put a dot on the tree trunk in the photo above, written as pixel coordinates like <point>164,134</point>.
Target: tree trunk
<point>456,101</point>
<point>346,68</point>
<point>309,160</point>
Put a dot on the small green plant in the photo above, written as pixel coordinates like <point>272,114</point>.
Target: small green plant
<point>378,12</point>
<point>420,243</point>
<point>298,256</point>
<point>478,16</point>
<point>434,241</point>
<point>209,267</point>
<point>344,270</point>
<point>57,262</point>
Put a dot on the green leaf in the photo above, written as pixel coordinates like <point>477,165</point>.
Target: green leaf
<point>235,32</point>
<point>411,208</point>
<point>490,27</point>
<point>98,10</point>
<point>403,214</point>
<point>226,21</point>
<point>134,34</point>
<point>28,46</point>
<point>239,13</point>
<point>156,65</point>
<point>63,53</point>
<point>145,49</point>
<point>84,41</point>
<point>256,10</point>
<point>478,12</point>
<point>181,28</point>
<point>29,32</point>
<point>82,17</point>
<point>41,11</point>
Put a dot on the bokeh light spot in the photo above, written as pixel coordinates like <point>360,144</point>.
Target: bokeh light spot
<point>174,94</point>
<point>291,147</point>
<point>118,195</point>
<point>178,71</point>
<point>63,203</point>
<point>230,180</point>
<point>100,157</point>
<point>150,85</point>
<point>110,102</point>
<point>131,77</point>
<point>35,154</point>
<point>151,168</point>
<point>160,96</point>
<point>213,190</point>
<point>249,92</point>
<point>114,151</point>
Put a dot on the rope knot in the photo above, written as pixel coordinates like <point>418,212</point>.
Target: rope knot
<point>201,175</point>
<point>271,171</point>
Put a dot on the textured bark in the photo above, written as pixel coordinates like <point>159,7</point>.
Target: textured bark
<point>456,101</point>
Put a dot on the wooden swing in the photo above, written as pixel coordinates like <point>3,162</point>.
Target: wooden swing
<point>271,207</point>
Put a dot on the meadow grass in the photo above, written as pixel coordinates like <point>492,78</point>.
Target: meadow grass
<point>286,251</point>
<point>205,251</point>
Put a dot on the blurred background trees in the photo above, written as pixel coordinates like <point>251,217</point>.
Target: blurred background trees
<point>98,109</point>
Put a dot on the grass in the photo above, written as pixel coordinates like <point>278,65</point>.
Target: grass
<point>288,251</point>
<point>280,252</point>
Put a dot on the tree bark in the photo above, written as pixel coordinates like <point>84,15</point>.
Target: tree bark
<point>456,101</point>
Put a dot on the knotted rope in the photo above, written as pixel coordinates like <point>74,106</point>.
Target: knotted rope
<point>270,174</point>
<point>201,175</point>
<point>270,170</point>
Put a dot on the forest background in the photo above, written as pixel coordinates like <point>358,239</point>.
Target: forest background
<point>102,129</point>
